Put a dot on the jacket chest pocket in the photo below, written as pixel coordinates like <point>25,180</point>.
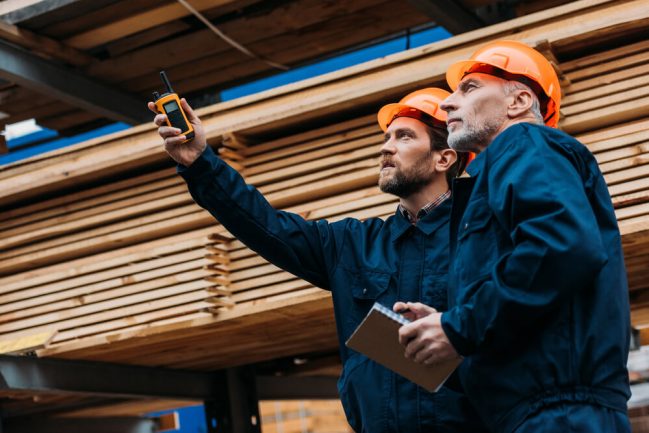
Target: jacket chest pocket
<point>435,290</point>
<point>367,287</point>
<point>477,244</point>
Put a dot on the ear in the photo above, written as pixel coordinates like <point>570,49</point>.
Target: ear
<point>445,160</point>
<point>520,103</point>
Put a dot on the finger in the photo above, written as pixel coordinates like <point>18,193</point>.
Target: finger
<point>424,354</point>
<point>168,131</point>
<point>420,309</point>
<point>189,111</point>
<point>413,348</point>
<point>174,141</point>
<point>160,119</point>
<point>431,360</point>
<point>410,316</point>
<point>152,107</point>
<point>406,333</point>
<point>399,306</point>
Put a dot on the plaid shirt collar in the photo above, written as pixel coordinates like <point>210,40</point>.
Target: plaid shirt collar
<point>426,209</point>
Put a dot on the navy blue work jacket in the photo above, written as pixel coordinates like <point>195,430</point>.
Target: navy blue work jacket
<point>538,298</point>
<point>360,262</point>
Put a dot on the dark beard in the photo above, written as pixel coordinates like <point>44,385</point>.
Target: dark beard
<point>404,184</point>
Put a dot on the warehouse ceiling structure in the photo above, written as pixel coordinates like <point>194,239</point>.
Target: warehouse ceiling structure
<point>77,64</point>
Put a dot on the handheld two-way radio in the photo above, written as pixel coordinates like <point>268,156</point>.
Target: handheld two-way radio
<point>169,104</point>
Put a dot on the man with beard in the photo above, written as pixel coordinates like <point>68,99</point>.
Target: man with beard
<point>403,257</point>
<point>538,299</point>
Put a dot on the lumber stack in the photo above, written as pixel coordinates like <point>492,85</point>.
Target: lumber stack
<point>572,28</point>
<point>608,95</point>
<point>311,416</point>
<point>326,173</point>
<point>124,44</point>
<point>115,257</point>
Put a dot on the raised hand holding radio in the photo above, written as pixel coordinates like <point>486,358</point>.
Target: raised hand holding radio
<point>178,125</point>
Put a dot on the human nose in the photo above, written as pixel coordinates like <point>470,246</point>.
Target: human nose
<point>449,104</point>
<point>388,147</point>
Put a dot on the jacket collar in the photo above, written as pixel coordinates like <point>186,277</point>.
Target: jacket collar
<point>499,146</point>
<point>427,224</point>
<point>475,167</point>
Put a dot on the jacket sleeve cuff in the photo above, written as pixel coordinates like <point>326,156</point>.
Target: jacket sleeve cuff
<point>206,163</point>
<point>455,326</point>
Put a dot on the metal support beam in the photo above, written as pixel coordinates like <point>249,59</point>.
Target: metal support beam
<point>236,411</point>
<point>55,81</point>
<point>103,379</point>
<point>21,373</point>
<point>231,396</point>
<point>67,425</point>
<point>449,14</point>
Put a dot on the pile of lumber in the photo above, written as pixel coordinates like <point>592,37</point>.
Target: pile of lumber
<point>124,44</point>
<point>608,95</point>
<point>327,173</point>
<point>111,254</point>
<point>310,416</point>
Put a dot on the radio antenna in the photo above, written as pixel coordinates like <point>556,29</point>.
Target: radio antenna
<point>166,82</point>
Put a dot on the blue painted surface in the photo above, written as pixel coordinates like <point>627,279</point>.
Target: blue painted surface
<point>57,143</point>
<point>19,150</point>
<point>191,419</point>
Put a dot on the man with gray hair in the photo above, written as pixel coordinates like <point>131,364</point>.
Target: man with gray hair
<point>538,298</point>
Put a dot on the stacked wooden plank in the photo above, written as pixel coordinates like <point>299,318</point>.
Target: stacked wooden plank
<point>312,416</point>
<point>132,271</point>
<point>621,149</point>
<point>182,276</point>
<point>571,28</point>
<point>608,95</point>
<point>126,43</point>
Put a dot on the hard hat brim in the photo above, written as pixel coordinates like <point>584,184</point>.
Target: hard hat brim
<point>389,112</point>
<point>457,71</point>
<point>386,114</point>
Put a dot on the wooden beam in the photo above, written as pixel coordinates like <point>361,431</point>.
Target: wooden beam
<point>138,22</point>
<point>43,45</point>
<point>313,307</point>
<point>15,11</point>
<point>103,280</point>
<point>449,14</point>
<point>26,344</point>
<point>334,92</point>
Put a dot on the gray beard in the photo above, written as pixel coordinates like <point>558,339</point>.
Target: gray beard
<point>471,139</point>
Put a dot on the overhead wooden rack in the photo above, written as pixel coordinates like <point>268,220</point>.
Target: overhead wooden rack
<point>101,242</point>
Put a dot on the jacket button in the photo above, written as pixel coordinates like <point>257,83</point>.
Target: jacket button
<point>364,290</point>
<point>466,226</point>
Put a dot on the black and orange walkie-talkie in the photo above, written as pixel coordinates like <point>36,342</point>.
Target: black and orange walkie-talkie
<point>169,104</point>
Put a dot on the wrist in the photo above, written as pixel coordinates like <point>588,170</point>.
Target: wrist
<point>206,161</point>
<point>455,327</point>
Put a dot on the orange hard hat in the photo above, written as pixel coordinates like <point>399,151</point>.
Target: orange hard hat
<point>421,104</point>
<point>515,61</point>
